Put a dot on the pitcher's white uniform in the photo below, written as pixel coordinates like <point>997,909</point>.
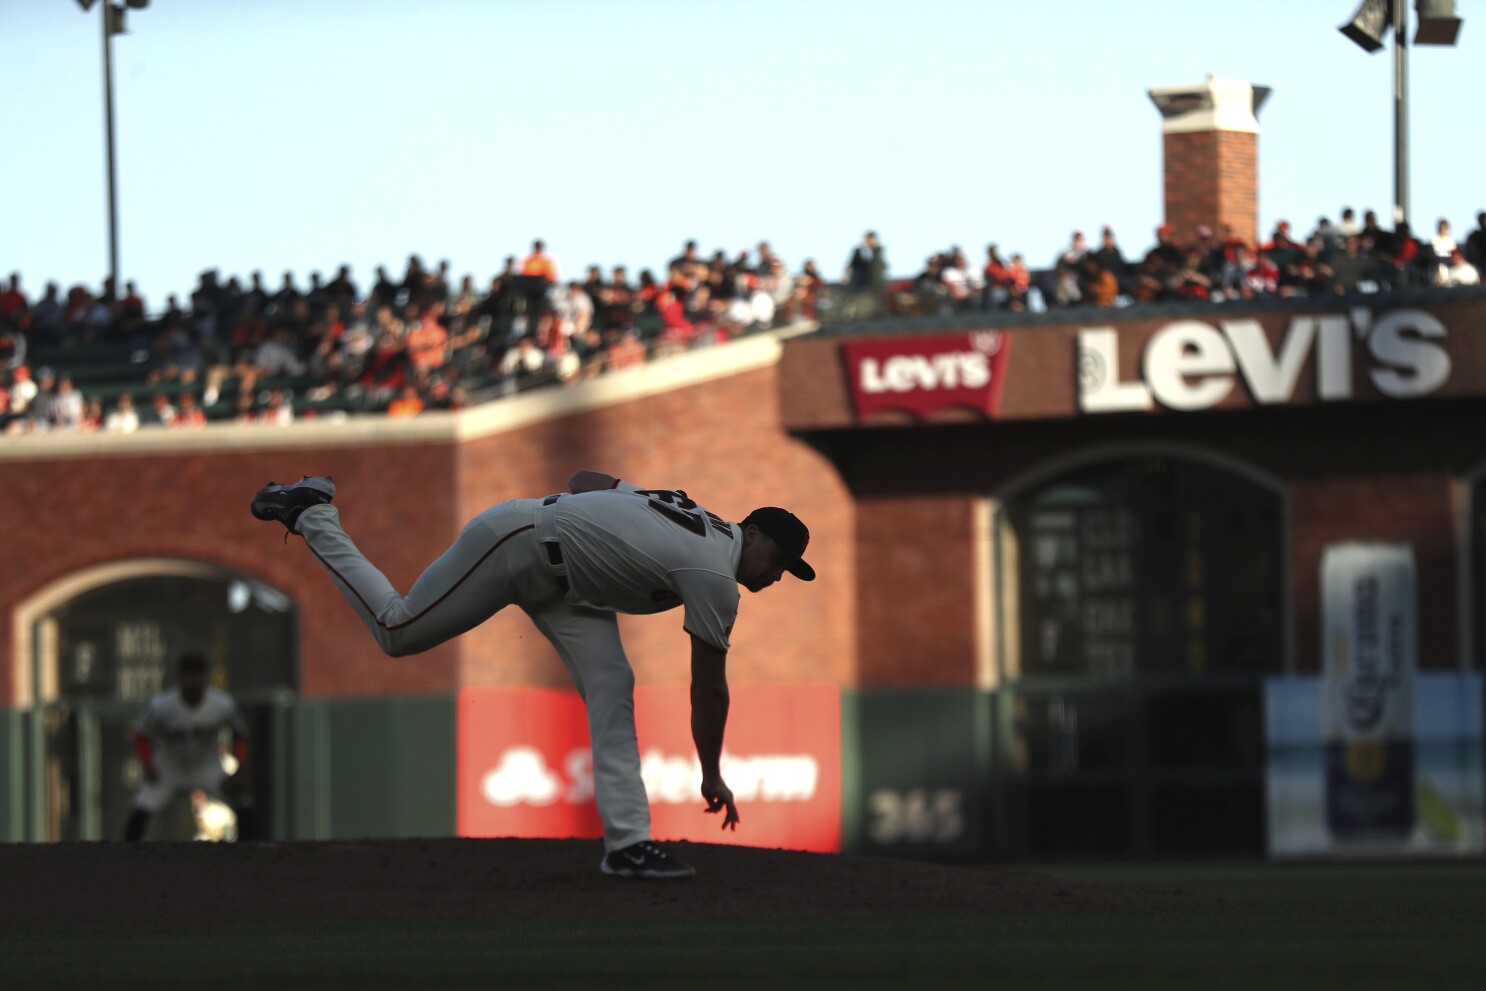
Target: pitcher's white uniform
<point>185,744</point>
<point>570,562</point>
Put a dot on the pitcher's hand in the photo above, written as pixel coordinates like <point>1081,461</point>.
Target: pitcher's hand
<point>720,796</point>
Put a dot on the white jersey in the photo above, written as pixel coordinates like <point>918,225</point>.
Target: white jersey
<point>185,738</point>
<point>648,550</point>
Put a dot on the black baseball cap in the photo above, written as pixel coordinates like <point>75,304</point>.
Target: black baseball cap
<point>786,530</point>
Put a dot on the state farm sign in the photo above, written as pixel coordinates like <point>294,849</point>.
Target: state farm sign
<point>525,768</point>
<point>919,375</point>
<point>1192,364</point>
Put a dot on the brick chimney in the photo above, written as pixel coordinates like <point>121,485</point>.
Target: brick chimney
<point>1210,151</point>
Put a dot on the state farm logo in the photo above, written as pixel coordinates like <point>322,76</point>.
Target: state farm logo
<point>921,374</point>
<point>1190,364</point>
<point>522,776</point>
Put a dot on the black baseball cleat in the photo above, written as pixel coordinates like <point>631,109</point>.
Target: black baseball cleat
<point>644,859</point>
<point>283,503</point>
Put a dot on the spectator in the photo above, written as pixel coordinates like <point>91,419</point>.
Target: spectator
<point>12,301</point>
<point>92,420</point>
<point>384,290</point>
<point>1166,252</point>
<point>1281,248</point>
<point>1475,243</point>
<point>807,289</point>
<point>23,389</point>
<point>689,261</point>
<point>1099,284</point>
<point>178,358</point>
<point>277,411</point>
<point>246,410</point>
<point>1072,256</point>
<point>1020,285</point>
<point>867,269</point>
<point>161,412</point>
<point>131,305</point>
<point>278,355</point>
<point>622,350</point>
<point>996,275</point>
<point>46,318</point>
<point>123,419</point>
<point>1348,226</point>
<point>427,341</point>
<point>1350,268</point>
<point>1109,256</point>
<point>409,403</point>
<point>188,414</point>
<point>13,347</point>
<point>538,274</point>
<point>41,413</point>
<point>67,412</point>
<point>1462,272</point>
<point>520,364</point>
<point>1443,246</point>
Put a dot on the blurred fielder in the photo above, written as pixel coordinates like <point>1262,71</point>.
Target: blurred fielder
<point>571,562</point>
<point>178,739</point>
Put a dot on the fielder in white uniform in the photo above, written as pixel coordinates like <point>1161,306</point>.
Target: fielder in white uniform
<point>178,738</point>
<point>571,562</point>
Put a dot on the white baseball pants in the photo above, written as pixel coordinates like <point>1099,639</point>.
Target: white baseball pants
<point>154,796</point>
<point>497,560</point>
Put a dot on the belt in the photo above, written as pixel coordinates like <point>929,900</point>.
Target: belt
<point>559,570</point>
<point>545,521</point>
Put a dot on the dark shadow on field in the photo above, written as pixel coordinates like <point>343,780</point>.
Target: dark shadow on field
<point>505,878</point>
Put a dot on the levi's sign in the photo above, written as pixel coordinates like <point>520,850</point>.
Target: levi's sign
<point>1192,364</point>
<point>919,375</point>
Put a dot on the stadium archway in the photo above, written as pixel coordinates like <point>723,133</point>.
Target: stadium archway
<point>93,647</point>
<point>1139,598</point>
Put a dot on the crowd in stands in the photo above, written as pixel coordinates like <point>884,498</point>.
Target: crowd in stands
<point>255,354</point>
<point>252,353</point>
<point>1332,259</point>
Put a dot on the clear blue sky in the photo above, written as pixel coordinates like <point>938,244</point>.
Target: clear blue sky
<point>300,134</point>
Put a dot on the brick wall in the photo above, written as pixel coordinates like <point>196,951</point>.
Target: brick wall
<point>405,490</point>
<point>1212,178</point>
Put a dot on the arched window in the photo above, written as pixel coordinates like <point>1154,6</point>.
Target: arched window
<point>1142,601</point>
<point>103,643</point>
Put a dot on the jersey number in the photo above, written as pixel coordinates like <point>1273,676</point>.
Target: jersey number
<point>675,506</point>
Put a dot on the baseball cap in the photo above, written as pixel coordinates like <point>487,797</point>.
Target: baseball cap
<point>786,530</point>
<point>193,661</point>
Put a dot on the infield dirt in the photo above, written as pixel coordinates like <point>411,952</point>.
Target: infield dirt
<point>393,880</point>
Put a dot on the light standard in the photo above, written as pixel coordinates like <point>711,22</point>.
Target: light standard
<point>113,23</point>
<point>1438,25</point>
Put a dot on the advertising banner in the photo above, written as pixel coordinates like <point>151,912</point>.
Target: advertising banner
<point>919,375</point>
<point>1446,771</point>
<point>524,767</point>
<point>919,773</point>
<point>1374,757</point>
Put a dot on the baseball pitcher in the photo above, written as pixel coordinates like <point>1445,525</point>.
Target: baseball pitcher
<point>571,562</point>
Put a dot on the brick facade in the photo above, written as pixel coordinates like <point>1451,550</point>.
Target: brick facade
<point>404,492</point>
<point>1211,178</point>
<point>896,505</point>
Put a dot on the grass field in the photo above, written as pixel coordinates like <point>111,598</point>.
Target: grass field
<point>1253,926</point>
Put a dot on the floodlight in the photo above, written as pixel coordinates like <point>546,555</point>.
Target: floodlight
<point>1438,24</point>
<point>1370,23</point>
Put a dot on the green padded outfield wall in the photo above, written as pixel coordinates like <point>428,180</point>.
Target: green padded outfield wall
<point>12,776</point>
<point>375,767</point>
<point>917,773</point>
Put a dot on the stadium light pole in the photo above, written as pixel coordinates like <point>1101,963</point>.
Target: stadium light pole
<point>113,23</point>
<point>1438,25</point>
